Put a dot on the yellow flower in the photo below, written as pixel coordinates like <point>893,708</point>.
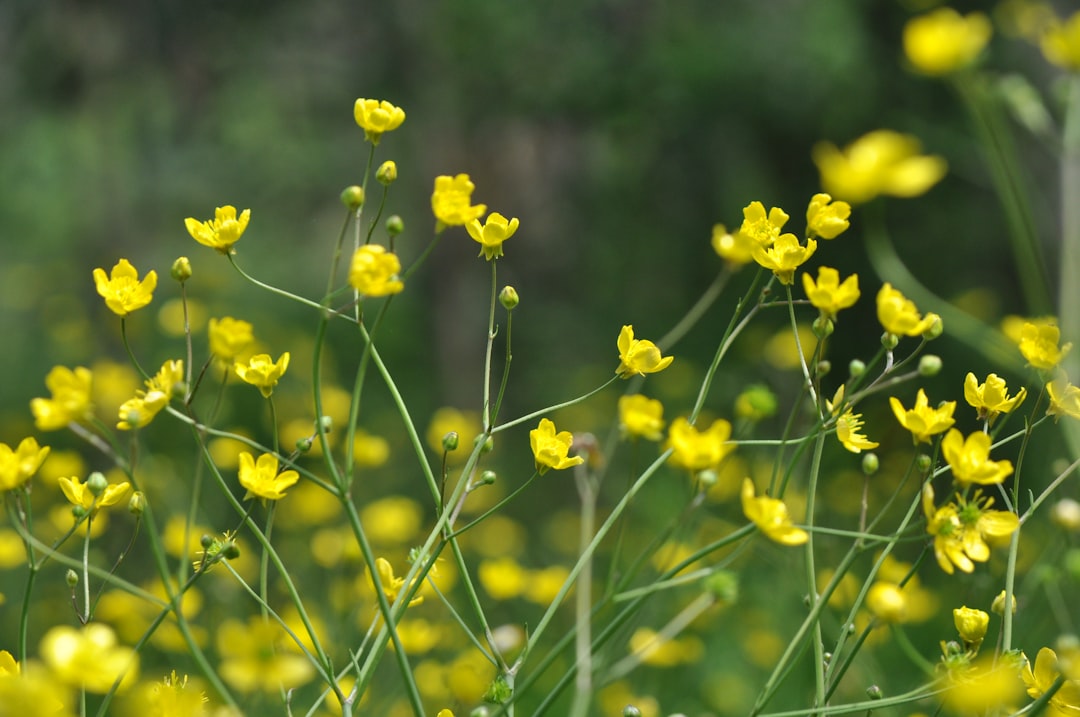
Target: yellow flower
<point>971,625</point>
<point>9,666</point>
<point>991,397</point>
<point>141,410</point>
<point>641,416</point>
<point>785,256</point>
<point>960,530</point>
<point>887,602</point>
<point>34,693</point>
<point>970,459</point>
<point>658,651</point>
<point>1066,701</point>
<point>451,201</point>
<point>445,713</point>
<point>17,466</point>
<point>881,162</point>
<point>698,451</point>
<point>376,117</point>
<point>222,231</point>
<point>923,421</point>
<point>492,233</point>
<point>503,578</point>
<point>171,697</point>
<point>828,294</point>
<point>771,517</point>
<point>737,248</point>
<point>389,584</point>
<point>763,229</point>
<point>1061,43</point>
<point>89,657</point>
<point>374,271</point>
<point>255,656</point>
<point>825,218</point>
<point>1039,345</point>
<point>847,430</point>
<point>943,41</point>
<point>1064,397</point>
<point>550,449</point>
<point>898,314</point>
<point>70,398</point>
<point>122,290</point>
<point>229,337</point>
<point>638,356</point>
<point>261,478</point>
<point>79,494</point>
<point>260,371</point>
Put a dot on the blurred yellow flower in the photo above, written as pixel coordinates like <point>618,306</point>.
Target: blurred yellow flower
<point>81,494</point>
<point>446,420</point>
<point>1064,702</point>
<point>141,410</point>
<point>656,650</point>
<point>541,586</point>
<point>89,658</point>
<point>825,218</point>
<point>881,162</point>
<point>254,657</point>
<point>17,466</point>
<point>991,397</point>
<point>390,584</point>
<point>737,248</point>
<point>697,450</point>
<point>923,421</point>
<point>393,520</point>
<point>492,233</point>
<point>887,602</point>
<point>763,229</point>
<point>502,578</point>
<point>369,450</point>
<point>1060,43</point>
<point>451,201</point>
<point>34,693</point>
<point>970,461</point>
<point>221,232</point>
<point>943,41</point>
<point>261,478</point>
<point>848,428</point>
<point>260,371</point>
<point>771,517</point>
<point>376,117</point>
<point>1039,345</point>
<point>828,294</point>
<point>638,357</point>
<point>551,448</point>
<point>898,314</point>
<point>374,271</point>
<point>784,256</point>
<point>171,697</point>
<point>641,417</point>
<point>122,290</point>
<point>229,337</point>
<point>1064,397</point>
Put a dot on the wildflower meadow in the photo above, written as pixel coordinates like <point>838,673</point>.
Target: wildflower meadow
<point>809,490</point>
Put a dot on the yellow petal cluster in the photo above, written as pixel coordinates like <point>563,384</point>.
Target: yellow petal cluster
<point>828,294</point>
<point>638,357</point>
<point>492,233</point>
<point>261,478</point>
<point>881,162</point>
<point>1060,43</point>
<point>921,420</point>
<point>960,529</point>
<point>262,372</point>
<point>374,271</point>
<point>254,656</point>
<point>771,517</point>
<point>898,314</point>
<point>1064,397</point>
<point>971,625</point>
<point>737,248</point>
<point>762,228</point>
<point>1039,345</point>
<point>697,450</point>
<point>641,417</point>
<point>848,427</point>
<point>88,658</point>
<point>376,117</point>
<point>970,461</point>
<point>991,398</point>
<point>887,602</point>
<point>451,201</point>
<point>221,232</point>
<point>1066,701</point>
<point>70,400</point>
<point>122,290</point>
<point>785,256</point>
<point>825,218</point>
<point>229,337</point>
<point>19,465</point>
<point>389,583</point>
<point>944,41</point>
<point>141,410</point>
<point>79,494</point>
<point>550,448</point>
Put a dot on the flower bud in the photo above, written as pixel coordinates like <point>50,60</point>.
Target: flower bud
<point>96,483</point>
<point>487,478</point>
<point>823,367</point>
<point>230,550</point>
<point>450,442</point>
<point>79,512</point>
<point>386,173</point>
<point>856,368</point>
<point>936,328</point>
<point>206,541</point>
<point>874,692</point>
<point>823,327</point>
<point>1066,514</point>
<point>353,197</point>
<point>326,423</point>
<point>923,463</point>
<point>631,711</point>
<point>929,365</point>
<point>756,402</point>
<point>480,712</point>
<point>499,692</point>
<point>303,445</point>
<point>72,578</point>
<point>998,606</point>
<point>181,269</point>
<point>508,297</point>
<point>889,341</point>
<point>707,478</point>
<point>394,225</point>
<point>870,463</point>
<point>971,625</point>
<point>724,585</point>
<point>137,503</point>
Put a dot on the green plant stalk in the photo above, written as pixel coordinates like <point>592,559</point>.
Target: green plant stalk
<point>543,411</point>
<point>919,693</point>
<point>583,597</point>
<point>264,563</point>
<point>130,353</point>
<point>85,566</point>
<point>694,314</point>
<point>670,631</point>
<point>506,367</point>
<point>488,419</point>
<point>811,571</point>
<point>1069,288</point>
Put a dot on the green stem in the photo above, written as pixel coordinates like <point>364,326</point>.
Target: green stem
<point>690,319</point>
<point>550,409</point>
<point>488,419</point>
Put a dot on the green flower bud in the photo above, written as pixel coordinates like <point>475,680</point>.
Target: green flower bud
<point>181,269</point>
<point>487,478</point>
<point>394,225</point>
<point>450,442</point>
<point>823,327</point>
<point>856,368</point>
<point>386,173</point>
<point>929,365</point>
<point>79,512</point>
<point>303,445</point>
<point>707,478</point>
<point>874,692</point>
<point>206,541</point>
<point>998,606</point>
<point>137,503</point>
<point>631,711</point>
<point>508,297</point>
<point>96,483</point>
<point>724,585</point>
<point>935,329</point>
<point>756,402</point>
<point>72,578</point>
<point>889,341</point>
<point>870,463</point>
<point>230,550</point>
<point>823,367</point>
<point>499,692</point>
<point>327,423</point>
<point>352,197</point>
<point>923,463</point>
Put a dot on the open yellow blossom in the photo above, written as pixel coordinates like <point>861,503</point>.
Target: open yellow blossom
<point>763,228</point>
<point>641,416</point>
<point>389,583</point>
<point>1064,702</point>
<point>141,410</point>
<point>1064,397</point>
<point>825,218</point>
<point>881,162</point>
<point>122,290</point>
<point>19,465</point>
<point>374,271</point>
<point>887,602</point>
<point>70,401</point>
<point>960,529</point>
<point>736,249</point>
<point>1060,43</point>
<point>848,427</point>
<point>171,697</point>
<point>551,448</point>
<point>828,294</point>
<point>376,117</point>
<point>638,356</point>
<point>221,232</point>
<point>492,233</point>
<point>255,656</point>
<point>923,421</point>
<point>229,337</point>
<point>944,41</point>
<point>262,372</point>
<point>79,494</point>
<point>771,517</point>
<point>991,397</point>
<point>261,478</point>
<point>785,256</point>
<point>89,658</point>
<point>970,459</point>
<point>452,201</point>
<point>697,450</point>
<point>1039,345</point>
<point>898,314</point>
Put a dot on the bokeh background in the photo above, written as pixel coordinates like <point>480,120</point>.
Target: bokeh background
<point>618,131</point>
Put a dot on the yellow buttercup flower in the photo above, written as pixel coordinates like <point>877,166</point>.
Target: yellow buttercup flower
<point>1064,397</point>
<point>492,233</point>
<point>881,162</point>
<point>737,248</point>
<point>944,41</point>
<point>1039,345</point>
<point>763,228</point>
<point>828,294</point>
<point>638,357</point>
<point>887,602</point>
<point>452,201</point>
<point>848,428</point>
<point>960,529</point>
<point>1064,702</point>
<point>923,421</point>
<point>255,656</point>
<point>699,450</point>
<point>262,372</point>
<point>374,271</point>
<point>825,218</point>
<point>551,448</point>
<point>784,256</point>
<point>771,517</point>
<point>376,117</point>
<point>122,290</point>
<point>88,658</point>
<point>70,401</point>
<point>141,410</point>
<point>991,397</point>
<point>898,314</point>
<point>970,459</point>
<point>171,697</point>
<point>229,337</point>
<point>971,625</point>
<point>19,465</point>
<point>261,478</point>
<point>389,583</point>
<point>641,416</point>
<point>1060,43</point>
<point>80,494</point>
<point>221,232</point>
